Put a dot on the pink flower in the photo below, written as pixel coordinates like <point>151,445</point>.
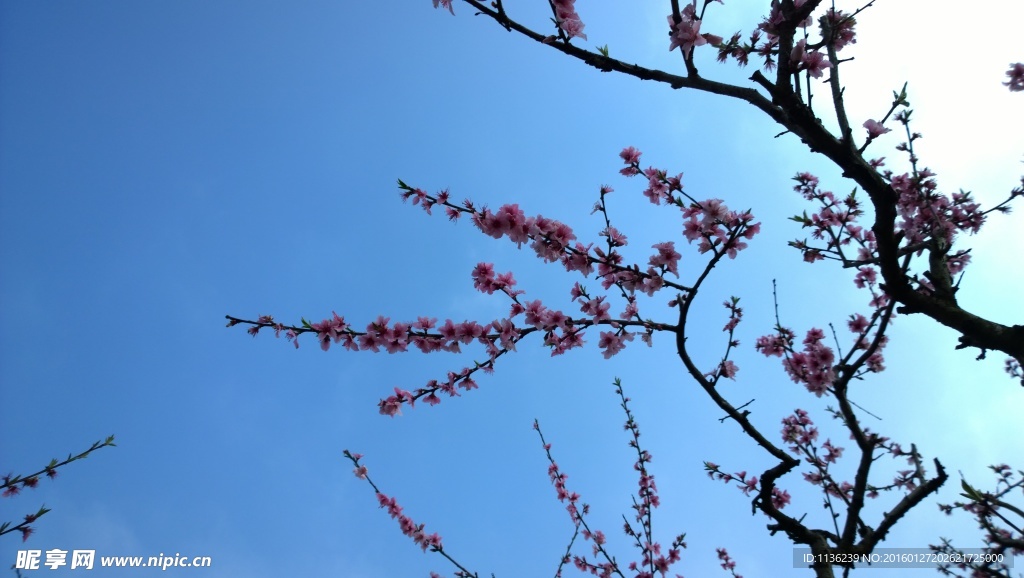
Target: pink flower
<point>409,528</point>
<point>686,34</point>
<point>509,220</point>
<point>1016,75</point>
<point>858,323</point>
<point>577,291</point>
<point>573,28</point>
<point>567,18</point>
<point>424,323</point>
<point>612,343</point>
<point>535,313</point>
<point>630,156</point>
<point>596,308</point>
<point>728,369</point>
<point>392,406</point>
<point>692,229</point>
<point>578,259</point>
<point>615,238</point>
<point>832,453</point>
<point>507,333</point>
<point>813,478</point>
<point>780,498</point>
<point>667,257</point>
<point>483,277</point>
<point>655,190</point>
<point>866,276</point>
<point>842,28</point>
<point>798,429</point>
<point>749,485</point>
<point>813,62</point>
<point>875,128</point>
<point>714,210</point>
<point>630,311</point>
<point>727,562</point>
<point>445,4</point>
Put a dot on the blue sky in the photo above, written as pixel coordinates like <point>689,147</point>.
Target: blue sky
<point>164,164</point>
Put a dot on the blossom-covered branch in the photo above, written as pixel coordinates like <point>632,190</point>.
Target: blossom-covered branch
<point>409,528</point>
<point>652,561</point>
<point>774,41</point>
<point>13,485</point>
<point>1002,522</point>
<point>709,224</point>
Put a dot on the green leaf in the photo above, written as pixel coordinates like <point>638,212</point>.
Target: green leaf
<point>603,50</point>
<point>901,97</point>
<point>804,220</point>
<point>971,494</point>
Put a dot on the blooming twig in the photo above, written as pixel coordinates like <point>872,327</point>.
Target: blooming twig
<point>13,484</point>
<point>409,528</point>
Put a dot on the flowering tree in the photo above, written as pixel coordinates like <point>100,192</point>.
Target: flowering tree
<point>901,243</point>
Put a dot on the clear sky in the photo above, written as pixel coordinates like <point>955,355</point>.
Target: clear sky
<point>163,164</point>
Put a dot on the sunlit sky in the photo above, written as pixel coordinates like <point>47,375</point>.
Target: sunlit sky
<point>163,164</point>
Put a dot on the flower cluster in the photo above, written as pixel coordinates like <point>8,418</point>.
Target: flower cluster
<point>834,223</point>
<point>685,33</point>
<point>929,220</point>
<point>424,334</point>
<point>567,18</point>
<point>577,511</point>
<point>927,213</point>
<point>727,368</point>
<point>741,51</point>
<point>558,480</point>
<point>800,432</point>
<point>813,61</point>
<point>652,560</point>
<point>780,498</point>
<point>812,367</point>
<point>727,562</point>
<point>710,222</point>
<point>409,528</point>
<point>12,485</point>
<point>837,28</point>
<point>837,31</point>
<point>715,228</point>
